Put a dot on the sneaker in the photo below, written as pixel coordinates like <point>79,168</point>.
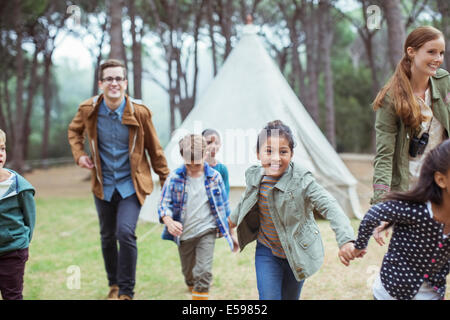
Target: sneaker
<point>200,295</point>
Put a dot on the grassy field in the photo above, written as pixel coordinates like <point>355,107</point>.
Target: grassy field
<point>67,238</point>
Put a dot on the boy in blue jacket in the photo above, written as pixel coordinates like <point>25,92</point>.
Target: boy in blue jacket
<point>17,220</point>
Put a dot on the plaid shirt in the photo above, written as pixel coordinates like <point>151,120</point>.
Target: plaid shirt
<point>174,199</point>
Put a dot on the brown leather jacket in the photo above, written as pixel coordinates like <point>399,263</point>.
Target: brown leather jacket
<point>143,141</point>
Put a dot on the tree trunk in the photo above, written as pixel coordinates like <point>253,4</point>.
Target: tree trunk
<point>297,77</point>
<point>309,25</point>
<point>10,126</point>
<point>326,41</point>
<point>211,24</point>
<point>17,148</point>
<point>444,10</point>
<point>3,124</point>
<point>32,86</point>
<point>115,30</point>
<point>198,21</point>
<point>396,30</point>
<point>226,24</point>
<point>99,59</point>
<point>136,51</point>
<point>47,104</point>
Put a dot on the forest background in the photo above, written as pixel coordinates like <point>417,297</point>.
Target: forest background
<point>335,54</point>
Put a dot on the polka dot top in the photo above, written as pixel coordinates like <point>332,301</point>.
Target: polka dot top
<point>418,251</point>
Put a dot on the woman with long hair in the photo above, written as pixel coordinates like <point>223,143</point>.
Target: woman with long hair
<point>412,112</point>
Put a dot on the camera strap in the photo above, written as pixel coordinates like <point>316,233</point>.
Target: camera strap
<point>432,116</point>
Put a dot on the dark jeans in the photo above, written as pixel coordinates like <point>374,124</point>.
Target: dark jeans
<point>118,219</point>
<point>12,269</point>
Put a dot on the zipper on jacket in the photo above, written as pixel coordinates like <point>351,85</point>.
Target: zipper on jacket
<point>95,161</point>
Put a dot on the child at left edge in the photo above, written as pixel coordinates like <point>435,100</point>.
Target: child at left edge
<point>17,220</point>
<point>194,207</point>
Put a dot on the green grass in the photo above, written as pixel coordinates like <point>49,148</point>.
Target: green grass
<point>67,234</point>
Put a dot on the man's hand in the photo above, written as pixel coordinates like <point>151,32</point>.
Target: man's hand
<point>175,228</point>
<point>85,162</point>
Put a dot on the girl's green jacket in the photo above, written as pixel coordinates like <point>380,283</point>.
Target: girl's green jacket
<point>292,202</point>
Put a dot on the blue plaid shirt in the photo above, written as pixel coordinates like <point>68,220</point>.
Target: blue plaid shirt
<point>174,199</point>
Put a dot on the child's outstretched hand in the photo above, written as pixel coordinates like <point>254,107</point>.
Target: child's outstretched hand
<point>357,253</point>
<point>235,243</point>
<point>233,236</point>
<point>346,253</point>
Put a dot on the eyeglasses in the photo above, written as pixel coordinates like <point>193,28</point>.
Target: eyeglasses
<point>111,79</point>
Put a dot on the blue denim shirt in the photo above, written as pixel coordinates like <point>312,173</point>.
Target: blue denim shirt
<point>114,153</point>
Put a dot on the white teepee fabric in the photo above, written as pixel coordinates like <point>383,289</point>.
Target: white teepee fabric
<point>247,93</point>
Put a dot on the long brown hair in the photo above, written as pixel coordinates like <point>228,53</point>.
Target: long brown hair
<point>399,86</point>
<point>426,189</point>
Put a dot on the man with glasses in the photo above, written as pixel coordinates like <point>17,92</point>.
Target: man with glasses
<point>122,142</point>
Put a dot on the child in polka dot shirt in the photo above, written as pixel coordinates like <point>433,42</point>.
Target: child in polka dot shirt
<point>418,257</point>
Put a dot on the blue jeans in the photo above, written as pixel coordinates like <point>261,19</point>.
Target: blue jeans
<point>118,219</point>
<point>274,276</point>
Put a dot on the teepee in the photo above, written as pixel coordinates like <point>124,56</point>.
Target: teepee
<point>247,93</point>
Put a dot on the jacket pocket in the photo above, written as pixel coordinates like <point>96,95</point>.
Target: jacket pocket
<point>5,236</point>
<point>309,240</point>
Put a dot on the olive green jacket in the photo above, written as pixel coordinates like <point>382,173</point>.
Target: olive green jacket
<point>391,163</point>
<point>291,203</point>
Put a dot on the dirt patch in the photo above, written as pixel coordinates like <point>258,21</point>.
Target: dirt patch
<point>68,181</point>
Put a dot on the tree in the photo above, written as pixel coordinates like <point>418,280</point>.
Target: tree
<point>443,7</point>
<point>176,23</point>
<point>115,8</point>
<point>326,37</point>
<point>19,68</point>
<point>395,29</point>
<point>52,23</point>
<point>137,33</point>
<point>291,15</point>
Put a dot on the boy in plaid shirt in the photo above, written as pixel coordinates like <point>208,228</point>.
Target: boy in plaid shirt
<point>194,207</point>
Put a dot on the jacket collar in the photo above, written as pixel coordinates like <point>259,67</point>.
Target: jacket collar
<point>286,178</point>
<point>283,182</point>
<point>128,117</point>
<point>209,172</point>
<point>435,93</point>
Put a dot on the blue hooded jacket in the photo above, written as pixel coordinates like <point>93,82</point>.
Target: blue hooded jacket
<point>17,215</point>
